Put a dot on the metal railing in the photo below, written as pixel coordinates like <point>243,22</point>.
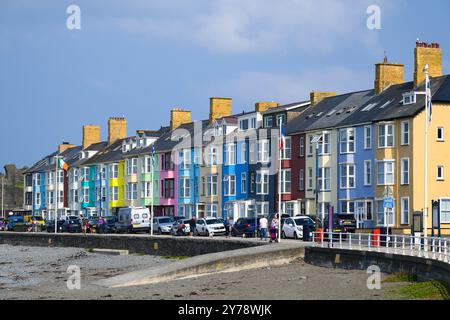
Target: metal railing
<point>430,248</point>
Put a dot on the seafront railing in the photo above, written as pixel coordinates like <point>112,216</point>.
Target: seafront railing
<point>436,248</point>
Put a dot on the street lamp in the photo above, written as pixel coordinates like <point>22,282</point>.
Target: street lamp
<point>317,139</point>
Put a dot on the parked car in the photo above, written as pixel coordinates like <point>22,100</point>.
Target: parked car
<point>245,226</point>
<point>163,225</point>
<point>342,222</point>
<point>178,218</point>
<point>16,223</point>
<point>50,226</point>
<point>209,226</point>
<point>109,225</point>
<point>180,224</point>
<point>72,226</point>
<point>299,227</point>
<point>133,220</point>
<point>30,219</point>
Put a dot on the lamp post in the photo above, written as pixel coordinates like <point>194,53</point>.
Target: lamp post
<point>3,186</point>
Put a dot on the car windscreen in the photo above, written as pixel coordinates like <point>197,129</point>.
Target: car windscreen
<point>213,221</point>
<point>346,216</point>
<point>38,218</point>
<point>74,221</point>
<point>165,220</point>
<point>303,221</point>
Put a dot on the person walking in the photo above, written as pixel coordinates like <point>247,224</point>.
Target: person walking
<point>274,229</point>
<point>192,225</point>
<point>263,222</point>
<point>227,227</point>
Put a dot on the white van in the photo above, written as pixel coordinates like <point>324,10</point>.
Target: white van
<point>132,220</point>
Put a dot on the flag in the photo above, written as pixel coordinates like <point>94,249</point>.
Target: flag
<point>282,137</point>
<point>429,98</point>
<point>62,164</point>
<point>153,155</point>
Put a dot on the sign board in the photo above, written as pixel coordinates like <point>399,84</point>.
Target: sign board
<point>417,222</point>
<point>388,202</point>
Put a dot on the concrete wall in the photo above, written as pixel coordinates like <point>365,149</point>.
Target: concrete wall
<point>389,263</point>
<point>156,245</point>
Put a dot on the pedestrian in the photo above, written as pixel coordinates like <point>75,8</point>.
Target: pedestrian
<point>263,222</point>
<point>274,229</point>
<point>227,227</point>
<point>192,225</point>
<point>100,225</point>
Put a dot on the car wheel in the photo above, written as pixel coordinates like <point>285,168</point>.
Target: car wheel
<point>207,233</point>
<point>196,233</point>
<point>295,236</point>
<point>283,235</point>
<point>159,231</point>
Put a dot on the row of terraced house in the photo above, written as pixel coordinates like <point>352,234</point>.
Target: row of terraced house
<point>339,150</point>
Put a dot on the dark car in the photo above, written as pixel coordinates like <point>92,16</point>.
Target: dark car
<point>72,226</point>
<point>342,223</point>
<point>245,226</point>
<point>50,226</point>
<point>16,223</point>
<point>109,225</point>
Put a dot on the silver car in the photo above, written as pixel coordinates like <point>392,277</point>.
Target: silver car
<point>162,225</point>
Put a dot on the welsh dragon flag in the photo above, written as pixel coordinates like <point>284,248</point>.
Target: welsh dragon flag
<point>62,164</point>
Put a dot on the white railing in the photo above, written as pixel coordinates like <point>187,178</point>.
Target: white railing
<point>431,248</point>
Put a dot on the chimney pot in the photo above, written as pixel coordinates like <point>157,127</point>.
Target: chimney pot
<point>91,134</point>
<point>178,117</point>
<point>117,129</point>
<point>424,54</point>
<point>317,96</point>
<point>219,108</point>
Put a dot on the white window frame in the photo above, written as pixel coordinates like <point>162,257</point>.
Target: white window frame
<point>324,144</point>
<point>185,187</point>
<point>310,178</point>
<point>367,137</point>
<point>229,185</point>
<point>230,149</point>
<point>446,212</point>
<point>286,184</point>
<point>405,142</point>
<point>243,182</point>
<point>385,172</point>
<point>322,179</point>
<point>348,176</point>
<point>402,208</point>
<point>37,199</point>
<point>386,136</point>
<point>301,180</point>
<point>441,131</point>
<point>368,172</point>
<point>302,147</point>
<point>263,151</point>
<point>114,171</point>
<point>404,170</point>
<point>262,184</point>
<point>243,153</point>
<point>440,177</point>
<point>186,159</point>
<point>286,152</point>
<point>346,142</point>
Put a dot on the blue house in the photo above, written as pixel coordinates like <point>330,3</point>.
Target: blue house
<point>235,192</point>
<point>188,181</point>
<point>355,173</point>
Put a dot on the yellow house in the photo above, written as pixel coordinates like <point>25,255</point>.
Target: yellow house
<point>399,135</point>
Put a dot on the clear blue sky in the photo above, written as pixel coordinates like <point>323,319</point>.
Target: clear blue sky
<point>139,58</point>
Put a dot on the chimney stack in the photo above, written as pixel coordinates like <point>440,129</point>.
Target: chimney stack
<point>91,135</point>
<point>179,117</point>
<point>317,96</point>
<point>264,106</point>
<point>387,74</point>
<point>64,146</point>
<point>424,54</point>
<point>117,129</point>
<point>219,108</point>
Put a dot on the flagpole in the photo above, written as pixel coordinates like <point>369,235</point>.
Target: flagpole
<point>153,197</point>
<point>425,208</point>
<point>279,185</point>
<point>56,193</point>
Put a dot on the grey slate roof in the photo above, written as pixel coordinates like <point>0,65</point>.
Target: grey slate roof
<point>321,115</point>
<point>389,102</point>
<point>112,153</point>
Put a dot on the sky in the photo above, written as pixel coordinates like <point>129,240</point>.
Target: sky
<point>141,58</point>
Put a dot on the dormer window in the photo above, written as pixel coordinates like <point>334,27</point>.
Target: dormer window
<point>409,98</point>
